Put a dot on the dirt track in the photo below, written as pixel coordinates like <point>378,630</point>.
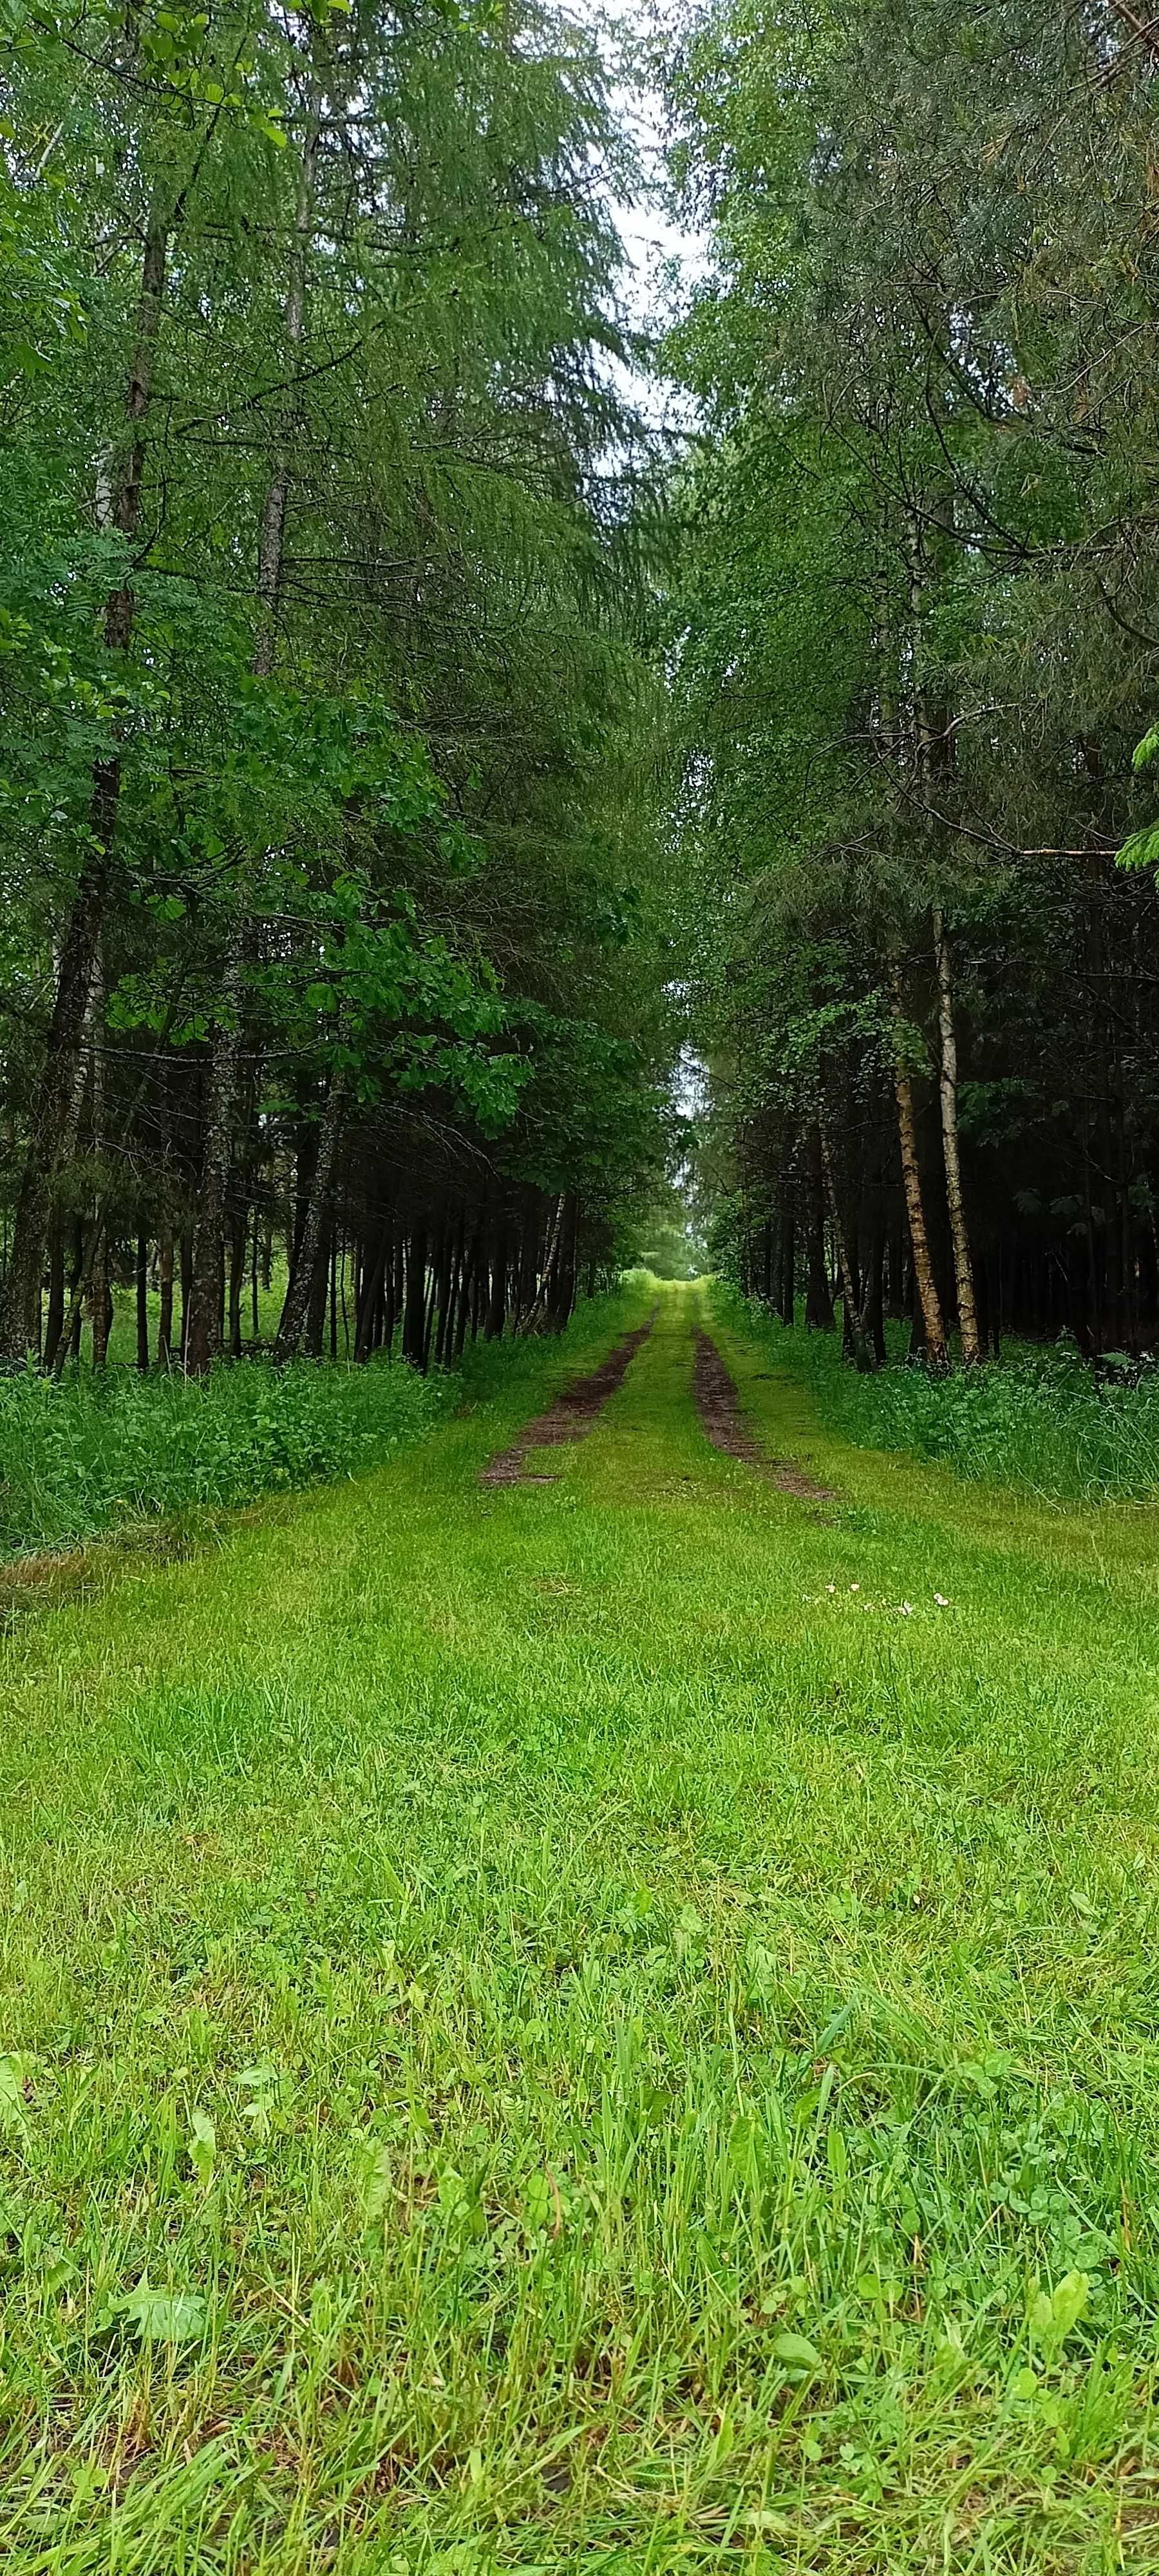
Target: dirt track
<point>718,1405</point>
<point>569,1418</point>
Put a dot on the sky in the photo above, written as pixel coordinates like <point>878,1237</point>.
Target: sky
<point>664,258</point>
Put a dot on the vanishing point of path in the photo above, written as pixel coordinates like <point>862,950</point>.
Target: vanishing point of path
<point>604,2024</point>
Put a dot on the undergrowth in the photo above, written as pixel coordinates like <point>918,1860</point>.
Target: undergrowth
<point>1038,1418</point>
<point>80,1458</point>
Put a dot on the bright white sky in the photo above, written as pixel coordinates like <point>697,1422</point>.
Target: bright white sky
<point>664,260</point>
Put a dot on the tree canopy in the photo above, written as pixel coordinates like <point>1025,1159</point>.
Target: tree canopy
<point>915,648</point>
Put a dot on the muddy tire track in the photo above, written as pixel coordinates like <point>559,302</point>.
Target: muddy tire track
<point>723,1422</point>
<point>570,1417</point>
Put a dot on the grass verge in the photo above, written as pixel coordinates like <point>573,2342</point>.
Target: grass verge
<point>1038,1418</point>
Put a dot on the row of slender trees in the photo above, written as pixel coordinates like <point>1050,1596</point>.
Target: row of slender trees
<point>330,917</point>
<point>916,643</point>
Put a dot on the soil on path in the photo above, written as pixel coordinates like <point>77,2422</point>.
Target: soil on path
<point>718,1405</point>
<point>570,1417</point>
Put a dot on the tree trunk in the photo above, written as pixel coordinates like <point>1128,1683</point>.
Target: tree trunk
<point>142,1281</point>
<point>931,1311</point>
<point>862,1353</point>
<point>818,1302</point>
<point>948,1088</point>
<point>873,1291</point>
<point>237,1250</point>
<point>165,1316</point>
<point>547,1273</point>
<point>414,1326</point>
<point>54,1320</point>
<point>497,1301</point>
<point>787,1297</point>
<point>295,1311</point>
<point>314,1334</point>
<point>201,1336</point>
<point>100,1293</point>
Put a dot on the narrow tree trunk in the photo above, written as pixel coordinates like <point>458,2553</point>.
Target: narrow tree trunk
<point>414,1327</point>
<point>369,1295</point>
<point>873,1289</point>
<point>548,1271</point>
<point>451,1288</point>
<point>186,1286</point>
<point>787,1299</point>
<point>467,1311</point>
<point>926,1286</point>
<point>497,1301</point>
<point>818,1302</point>
<point>295,1311</point>
<point>143,1304</point>
<point>863,1356</point>
<point>237,1250</point>
<point>314,1334</point>
<point>948,1088</point>
<point>165,1315</point>
<point>201,1337</point>
<point>54,1320</point>
<point>392,1303</point>
<point>99,1289</point>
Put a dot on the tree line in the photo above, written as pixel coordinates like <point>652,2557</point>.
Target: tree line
<point>331,915</point>
<point>915,641</point>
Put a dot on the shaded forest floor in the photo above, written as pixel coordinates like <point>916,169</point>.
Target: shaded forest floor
<point>609,2024</point>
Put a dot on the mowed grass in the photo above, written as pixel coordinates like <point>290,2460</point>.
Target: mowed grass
<point>588,2026</point>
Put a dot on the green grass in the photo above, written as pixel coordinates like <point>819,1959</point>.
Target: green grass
<point>595,2026</point>
<point>1038,1418</point>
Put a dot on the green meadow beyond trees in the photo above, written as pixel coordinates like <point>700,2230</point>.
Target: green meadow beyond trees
<point>579,1289</point>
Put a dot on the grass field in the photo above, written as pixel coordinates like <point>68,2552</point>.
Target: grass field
<point>611,2025</point>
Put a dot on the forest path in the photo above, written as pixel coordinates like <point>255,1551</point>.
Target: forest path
<point>570,2017</point>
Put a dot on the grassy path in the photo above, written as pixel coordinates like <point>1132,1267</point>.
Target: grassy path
<point>588,2026</point>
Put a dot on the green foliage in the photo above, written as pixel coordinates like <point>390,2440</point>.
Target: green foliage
<point>83,1457</point>
<point>376,723</point>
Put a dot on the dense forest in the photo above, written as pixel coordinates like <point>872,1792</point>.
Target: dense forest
<point>916,639</point>
<point>331,926</point>
<point>407,749</point>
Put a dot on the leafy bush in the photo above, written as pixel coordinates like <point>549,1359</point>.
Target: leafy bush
<point>1037,1418</point>
<point>80,1457</point>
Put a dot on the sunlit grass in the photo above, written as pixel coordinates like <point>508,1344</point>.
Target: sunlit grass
<point>601,2025</point>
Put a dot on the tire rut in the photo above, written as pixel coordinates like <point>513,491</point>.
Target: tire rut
<point>570,1417</point>
<point>725,1425</point>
